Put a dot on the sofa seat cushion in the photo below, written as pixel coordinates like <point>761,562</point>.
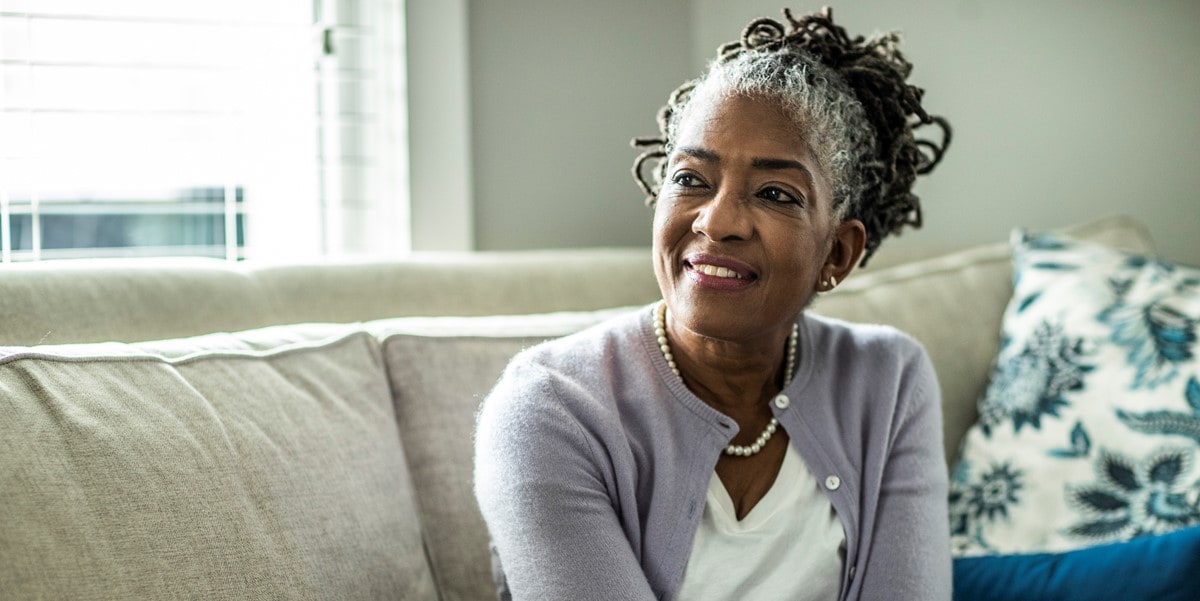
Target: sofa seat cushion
<point>441,368</point>
<point>261,465</point>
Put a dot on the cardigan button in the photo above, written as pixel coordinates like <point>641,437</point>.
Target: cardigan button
<point>832,482</point>
<point>782,401</point>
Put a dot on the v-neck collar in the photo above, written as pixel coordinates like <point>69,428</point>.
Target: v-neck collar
<point>770,504</point>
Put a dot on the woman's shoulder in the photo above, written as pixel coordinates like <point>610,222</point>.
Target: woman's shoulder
<point>881,362</point>
<point>572,379</point>
<point>572,361</point>
<point>579,352</point>
<point>869,338</point>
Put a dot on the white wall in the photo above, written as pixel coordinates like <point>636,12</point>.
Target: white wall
<point>1063,110</point>
<point>439,125</point>
<point>559,87</point>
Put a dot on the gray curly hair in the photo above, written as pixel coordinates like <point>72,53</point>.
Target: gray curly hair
<point>850,94</point>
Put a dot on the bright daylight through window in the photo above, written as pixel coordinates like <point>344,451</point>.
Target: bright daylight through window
<point>219,128</point>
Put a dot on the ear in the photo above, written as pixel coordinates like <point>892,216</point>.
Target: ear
<point>849,240</point>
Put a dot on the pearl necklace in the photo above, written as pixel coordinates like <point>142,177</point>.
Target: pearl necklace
<point>660,332</point>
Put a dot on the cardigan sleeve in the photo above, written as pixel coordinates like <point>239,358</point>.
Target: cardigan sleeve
<point>911,549</point>
<point>544,496</point>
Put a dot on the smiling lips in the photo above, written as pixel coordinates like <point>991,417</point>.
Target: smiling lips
<point>721,272</point>
<point>718,272</point>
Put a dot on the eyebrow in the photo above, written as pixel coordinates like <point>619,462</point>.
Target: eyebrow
<point>702,154</point>
<point>709,156</point>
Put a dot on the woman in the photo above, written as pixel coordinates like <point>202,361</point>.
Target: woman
<point>724,444</point>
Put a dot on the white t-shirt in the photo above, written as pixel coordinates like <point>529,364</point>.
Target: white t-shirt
<point>791,546</point>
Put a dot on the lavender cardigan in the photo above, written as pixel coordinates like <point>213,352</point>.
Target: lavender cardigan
<point>592,461</point>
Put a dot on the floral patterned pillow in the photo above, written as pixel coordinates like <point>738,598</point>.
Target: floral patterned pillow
<point>1089,431</point>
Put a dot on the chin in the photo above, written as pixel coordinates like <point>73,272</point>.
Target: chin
<point>722,321</point>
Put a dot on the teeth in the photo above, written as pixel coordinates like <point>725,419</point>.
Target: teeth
<point>720,272</point>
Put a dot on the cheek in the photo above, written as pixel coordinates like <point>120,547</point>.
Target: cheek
<point>666,222</point>
<point>804,254</point>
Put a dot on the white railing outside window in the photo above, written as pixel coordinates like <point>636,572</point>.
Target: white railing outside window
<point>225,128</point>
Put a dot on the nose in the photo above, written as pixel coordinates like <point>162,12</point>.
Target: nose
<point>724,217</point>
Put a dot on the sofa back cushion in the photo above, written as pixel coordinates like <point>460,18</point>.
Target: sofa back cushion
<point>75,301</point>
<point>260,465</point>
<point>97,300</point>
<point>461,284</point>
<point>440,370</point>
<point>954,305</point>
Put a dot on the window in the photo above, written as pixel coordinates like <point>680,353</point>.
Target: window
<point>224,128</point>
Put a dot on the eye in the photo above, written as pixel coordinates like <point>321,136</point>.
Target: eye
<point>779,196</point>
<point>685,179</point>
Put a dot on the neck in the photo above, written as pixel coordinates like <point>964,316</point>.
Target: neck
<point>732,376</point>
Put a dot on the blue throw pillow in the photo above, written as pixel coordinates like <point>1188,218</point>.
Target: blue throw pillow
<point>1089,431</point>
<point>1165,567</point>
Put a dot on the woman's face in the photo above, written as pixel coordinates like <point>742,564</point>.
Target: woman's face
<point>743,225</point>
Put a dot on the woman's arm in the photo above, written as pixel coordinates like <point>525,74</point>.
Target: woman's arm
<point>910,557</point>
<point>543,490</point>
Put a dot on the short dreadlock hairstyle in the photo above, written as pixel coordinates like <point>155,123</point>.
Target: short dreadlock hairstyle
<point>849,93</point>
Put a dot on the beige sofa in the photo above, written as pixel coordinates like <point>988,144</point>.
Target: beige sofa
<point>326,454</point>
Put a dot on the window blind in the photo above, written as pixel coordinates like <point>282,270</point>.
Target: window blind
<point>226,128</point>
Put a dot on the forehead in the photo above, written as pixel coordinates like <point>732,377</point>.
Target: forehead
<point>743,125</point>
